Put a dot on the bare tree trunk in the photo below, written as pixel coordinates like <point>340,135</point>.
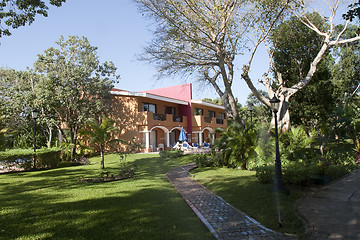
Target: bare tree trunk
<point>284,116</point>
<point>73,133</point>
<point>50,137</point>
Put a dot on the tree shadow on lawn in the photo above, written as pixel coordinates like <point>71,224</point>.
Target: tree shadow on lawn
<point>53,205</point>
<point>257,200</point>
<point>144,214</point>
<point>30,181</point>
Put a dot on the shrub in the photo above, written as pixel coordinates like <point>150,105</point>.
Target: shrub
<point>236,145</point>
<point>22,158</point>
<point>297,173</point>
<point>336,171</point>
<point>264,150</point>
<point>203,160</point>
<point>171,154</point>
<point>295,144</point>
<point>265,174</point>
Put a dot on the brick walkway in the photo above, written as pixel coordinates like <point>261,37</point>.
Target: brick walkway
<point>224,221</point>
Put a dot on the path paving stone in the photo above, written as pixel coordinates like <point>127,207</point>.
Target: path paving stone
<point>224,221</point>
<point>333,211</point>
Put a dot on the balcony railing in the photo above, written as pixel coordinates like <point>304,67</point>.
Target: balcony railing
<point>207,119</point>
<point>159,116</point>
<point>178,118</point>
<point>219,121</point>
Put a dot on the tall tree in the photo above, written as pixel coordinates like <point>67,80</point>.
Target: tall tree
<point>346,71</point>
<point>203,38</point>
<point>330,37</point>
<point>295,45</point>
<point>17,102</point>
<point>76,86</point>
<point>21,12</point>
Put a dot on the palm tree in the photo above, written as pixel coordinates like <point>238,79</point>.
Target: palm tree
<point>100,134</point>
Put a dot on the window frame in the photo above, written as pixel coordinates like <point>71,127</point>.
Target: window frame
<point>148,104</point>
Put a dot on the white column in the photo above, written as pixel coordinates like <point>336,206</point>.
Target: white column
<point>200,139</point>
<point>167,135</point>
<point>147,140</point>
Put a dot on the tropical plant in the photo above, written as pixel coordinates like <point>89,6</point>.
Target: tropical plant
<point>235,145</point>
<point>346,121</point>
<point>100,133</point>
<point>264,149</point>
<point>295,144</point>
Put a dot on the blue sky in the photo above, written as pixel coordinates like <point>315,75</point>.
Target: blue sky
<point>116,28</point>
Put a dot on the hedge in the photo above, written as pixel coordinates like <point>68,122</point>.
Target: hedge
<point>22,158</point>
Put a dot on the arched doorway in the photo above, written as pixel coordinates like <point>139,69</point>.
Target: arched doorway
<point>159,136</point>
<point>208,135</point>
<point>174,135</point>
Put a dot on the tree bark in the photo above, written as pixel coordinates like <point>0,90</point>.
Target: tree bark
<point>102,162</point>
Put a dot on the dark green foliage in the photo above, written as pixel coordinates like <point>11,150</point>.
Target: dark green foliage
<point>235,146</point>
<point>171,154</point>
<point>264,150</point>
<point>295,47</point>
<point>297,173</point>
<point>204,160</point>
<point>345,122</point>
<point>295,145</point>
<point>265,174</point>
<point>75,87</point>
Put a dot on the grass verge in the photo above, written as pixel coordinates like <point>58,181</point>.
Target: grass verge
<point>52,204</point>
<point>241,189</point>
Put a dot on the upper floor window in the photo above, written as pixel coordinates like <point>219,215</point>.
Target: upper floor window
<point>149,107</point>
<point>221,115</point>
<point>198,111</point>
<point>211,114</point>
<point>170,110</point>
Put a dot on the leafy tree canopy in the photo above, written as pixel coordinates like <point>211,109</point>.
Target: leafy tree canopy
<point>353,12</point>
<point>295,46</point>
<point>76,86</point>
<point>18,13</point>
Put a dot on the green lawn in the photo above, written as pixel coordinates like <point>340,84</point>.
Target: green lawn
<point>240,189</point>
<point>52,204</point>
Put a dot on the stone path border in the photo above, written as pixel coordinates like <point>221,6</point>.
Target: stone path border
<point>224,221</point>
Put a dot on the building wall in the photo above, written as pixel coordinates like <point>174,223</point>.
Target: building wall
<point>134,123</point>
<point>199,122</point>
<point>124,110</point>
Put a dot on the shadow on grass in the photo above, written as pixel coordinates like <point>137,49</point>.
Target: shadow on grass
<point>54,205</point>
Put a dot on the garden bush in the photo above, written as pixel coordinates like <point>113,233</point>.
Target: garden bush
<point>235,146</point>
<point>204,160</point>
<point>171,154</point>
<point>265,174</point>
<point>336,171</point>
<point>264,149</point>
<point>22,158</point>
<point>297,173</point>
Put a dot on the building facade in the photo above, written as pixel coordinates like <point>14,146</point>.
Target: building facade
<point>155,117</point>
